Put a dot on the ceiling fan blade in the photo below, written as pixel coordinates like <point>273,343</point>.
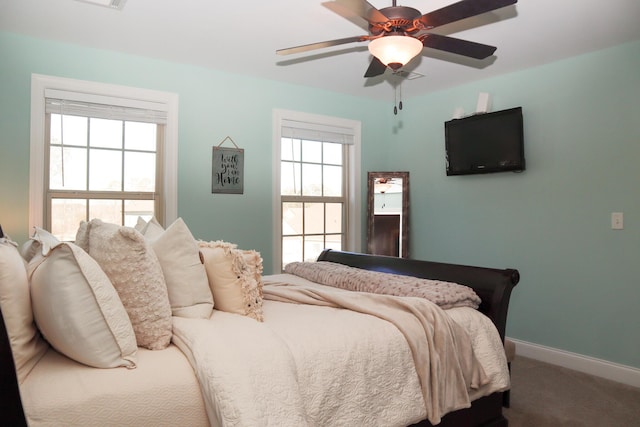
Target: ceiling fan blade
<point>320,45</point>
<point>376,68</point>
<point>348,14</point>
<point>458,46</point>
<point>364,9</point>
<point>461,10</point>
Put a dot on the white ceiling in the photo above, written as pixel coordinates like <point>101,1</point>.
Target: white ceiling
<point>241,36</point>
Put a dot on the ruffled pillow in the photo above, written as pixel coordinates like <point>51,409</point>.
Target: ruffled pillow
<point>234,277</point>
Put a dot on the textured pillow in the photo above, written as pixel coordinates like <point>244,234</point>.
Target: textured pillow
<point>26,343</point>
<point>186,277</point>
<point>133,268</point>
<point>78,310</point>
<point>235,283</point>
<point>254,264</point>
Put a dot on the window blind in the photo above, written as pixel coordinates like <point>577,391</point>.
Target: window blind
<point>104,107</point>
<point>317,132</point>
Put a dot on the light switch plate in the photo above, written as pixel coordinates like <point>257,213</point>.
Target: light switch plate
<point>617,220</point>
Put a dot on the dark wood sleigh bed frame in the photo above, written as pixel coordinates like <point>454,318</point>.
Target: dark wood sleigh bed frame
<point>493,286</point>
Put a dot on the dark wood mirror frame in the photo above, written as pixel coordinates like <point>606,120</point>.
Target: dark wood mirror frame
<point>404,229</point>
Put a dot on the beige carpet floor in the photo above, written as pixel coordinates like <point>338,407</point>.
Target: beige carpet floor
<point>544,395</point>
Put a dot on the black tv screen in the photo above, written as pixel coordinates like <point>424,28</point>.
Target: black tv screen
<point>485,143</point>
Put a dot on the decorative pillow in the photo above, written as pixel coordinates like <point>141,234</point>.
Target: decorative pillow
<point>78,310</point>
<point>41,242</point>
<point>133,268</point>
<point>151,229</point>
<point>26,343</point>
<point>235,283</point>
<point>254,264</point>
<point>140,224</point>
<point>184,273</point>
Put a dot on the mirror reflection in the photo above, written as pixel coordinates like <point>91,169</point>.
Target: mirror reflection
<point>388,213</point>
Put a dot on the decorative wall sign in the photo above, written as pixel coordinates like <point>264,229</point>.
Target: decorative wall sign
<point>228,169</point>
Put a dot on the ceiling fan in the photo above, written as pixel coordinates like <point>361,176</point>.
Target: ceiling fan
<point>384,185</point>
<point>398,33</point>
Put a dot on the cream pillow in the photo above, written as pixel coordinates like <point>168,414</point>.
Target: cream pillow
<point>78,310</point>
<point>41,242</point>
<point>133,268</point>
<point>26,343</point>
<point>152,229</point>
<point>235,284</point>
<point>184,273</point>
<point>254,263</point>
<point>140,224</point>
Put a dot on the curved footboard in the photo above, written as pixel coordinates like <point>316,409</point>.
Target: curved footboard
<point>492,285</point>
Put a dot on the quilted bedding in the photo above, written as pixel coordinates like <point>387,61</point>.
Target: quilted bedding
<point>310,365</point>
<point>161,392</point>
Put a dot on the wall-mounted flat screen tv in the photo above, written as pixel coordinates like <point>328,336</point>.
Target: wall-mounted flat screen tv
<point>485,143</point>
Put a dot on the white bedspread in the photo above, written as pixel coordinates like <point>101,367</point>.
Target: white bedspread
<point>161,392</point>
<point>314,366</point>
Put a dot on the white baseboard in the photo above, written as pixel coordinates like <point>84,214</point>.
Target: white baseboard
<point>590,365</point>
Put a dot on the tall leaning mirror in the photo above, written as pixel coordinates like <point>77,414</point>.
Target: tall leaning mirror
<point>388,213</point>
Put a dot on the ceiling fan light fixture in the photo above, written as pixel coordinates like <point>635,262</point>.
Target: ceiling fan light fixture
<point>395,51</point>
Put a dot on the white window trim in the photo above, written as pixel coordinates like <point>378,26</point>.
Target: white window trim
<point>41,83</point>
<point>354,197</point>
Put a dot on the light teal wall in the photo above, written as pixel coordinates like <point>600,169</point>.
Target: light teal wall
<point>580,287</point>
<point>579,290</point>
<point>212,105</point>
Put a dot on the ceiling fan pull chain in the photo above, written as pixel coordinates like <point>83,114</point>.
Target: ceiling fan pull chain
<point>400,104</point>
<point>395,101</point>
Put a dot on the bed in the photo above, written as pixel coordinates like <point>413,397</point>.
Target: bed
<point>58,388</point>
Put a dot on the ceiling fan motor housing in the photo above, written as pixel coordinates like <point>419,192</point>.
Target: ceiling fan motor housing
<point>400,19</point>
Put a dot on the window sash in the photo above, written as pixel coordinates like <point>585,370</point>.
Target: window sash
<point>319,199</point>
<point>283,119</point>
<point>306,239</point>
<point>50,195</point>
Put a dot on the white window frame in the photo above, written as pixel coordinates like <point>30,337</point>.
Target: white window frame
<point>353,196</point>
<point>164,101</point>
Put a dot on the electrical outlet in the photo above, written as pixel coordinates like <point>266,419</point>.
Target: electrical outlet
<point>617,220</point>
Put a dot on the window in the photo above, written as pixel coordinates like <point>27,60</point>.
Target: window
<point>316,169</point>
<point>101,156</point>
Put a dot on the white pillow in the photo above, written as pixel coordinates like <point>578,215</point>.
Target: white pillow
<point>41,242</point>
<point>153,229</point>
<point>26,343</point>
<point>150,229</point>
<point>78,310</point>
<point>133,268</point>
<point>184,273</point>
<point>140,224</point>
<point>236,285</point>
